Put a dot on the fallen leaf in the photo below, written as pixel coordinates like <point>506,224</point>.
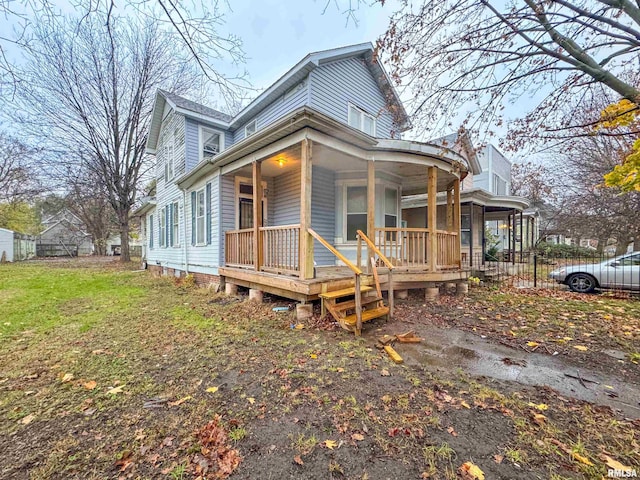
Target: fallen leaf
<point>298,460</point>
<point>212,389</point>
<point>614,464</point>
<point>539,418</point>
<point>452,431</point>
<point>582,348</point>
<point>539,406</point>
<point>470,471</point>
<point>532,344</point>
<point>115,390</point>
<point>299,326</point>
<point>358,437</point>
<point>313,355</point>
<point>67,377</point>
<point>498,459</point>
<point>251,400</point>
<point>180,401</point>
<point>464,404</point>
<point>28,419</point>
<point>339,369</point>
<point>90,385</point>
<point>385,373</point>
<point>581,458</point>
<point>330,444</point>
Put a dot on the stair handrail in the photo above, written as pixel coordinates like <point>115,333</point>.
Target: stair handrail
<point>357,294</point>
<point>387,262</point>
<point>335,252</point>
<point>375,249</point>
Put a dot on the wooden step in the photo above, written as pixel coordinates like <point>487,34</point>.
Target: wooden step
<point>367,315</point>
<point>345,292</point>
<point>349,304</point>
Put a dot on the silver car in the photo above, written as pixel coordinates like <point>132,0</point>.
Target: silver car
<point>622,272</point>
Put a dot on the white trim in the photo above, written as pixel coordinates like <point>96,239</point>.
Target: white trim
<point>175,236</point>
<point>238,196</point>
<point>255,128</point>
<point>201,128</point>
<point>202,190</point>
<point>363,113</point>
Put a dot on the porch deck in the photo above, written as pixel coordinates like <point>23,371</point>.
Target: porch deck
<point>331,278</point>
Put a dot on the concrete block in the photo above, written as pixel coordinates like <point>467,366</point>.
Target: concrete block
<point>304,311</point>
<point>431,293</point>
<point>450,287</point>
<point>402,294</point>
<point>255,295</point>
<point>462,289</point>
<point>231,289</point>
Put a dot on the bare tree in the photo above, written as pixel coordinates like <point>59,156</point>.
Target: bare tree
<point>18,180</point>
<point>467,59</point>
<point>89,94</point>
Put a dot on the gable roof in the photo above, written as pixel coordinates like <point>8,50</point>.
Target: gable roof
<point>295,75</point>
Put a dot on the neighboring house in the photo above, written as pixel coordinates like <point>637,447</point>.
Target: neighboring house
<point>63,235</point>
<point>486,204</point>
<point>273,198</point>
<point>114,246</point>
<point>15,246</point>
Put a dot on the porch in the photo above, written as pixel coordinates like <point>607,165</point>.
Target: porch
<point>309,218</point>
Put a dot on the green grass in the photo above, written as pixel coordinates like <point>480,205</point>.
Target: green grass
<point>36,297</point>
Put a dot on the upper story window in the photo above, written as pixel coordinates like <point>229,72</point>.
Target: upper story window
<point>169,158</point>
<point>211,142</point>
<point>499,185</point>
<point>362,120</point>
<point>250,128</point>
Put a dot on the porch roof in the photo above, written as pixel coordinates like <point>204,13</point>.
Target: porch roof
<point>477,196</point>
<point>281,134</point>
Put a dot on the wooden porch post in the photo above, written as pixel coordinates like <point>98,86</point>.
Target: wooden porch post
<point>371,209</point>
<point>257,215</point>
<point>449,209</point>
<point>457,218</point>
<point>306,240</point>
<point>432,212</point>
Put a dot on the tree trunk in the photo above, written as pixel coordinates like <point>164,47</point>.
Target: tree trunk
<point>621,245</point>
<point>125,254</point>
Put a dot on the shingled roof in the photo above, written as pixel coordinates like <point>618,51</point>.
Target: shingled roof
<point>192,106</point>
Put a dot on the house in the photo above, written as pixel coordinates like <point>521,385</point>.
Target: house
<point>296,193</point>
<point>486,206</point>
<point>63,235</point>
<point>15,246</point>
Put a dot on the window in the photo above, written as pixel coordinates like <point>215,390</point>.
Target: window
<point>465,229</point>
<point>356,211</point>
<point>361,120</point>
<point>200,220</point>
<point>390,207</point>
<point>150,231</point>
<point>211,143</point>
<point>250,128</point>
<point>163,228</point>
<point>169,159</point>
<point>175,225</point>
<point>631,260</point>
<point>244,199</point>
<point>499,185</point>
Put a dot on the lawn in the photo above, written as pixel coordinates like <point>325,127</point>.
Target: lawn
<point>106,372</point>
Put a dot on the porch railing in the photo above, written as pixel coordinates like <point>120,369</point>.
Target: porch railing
<point>238,248</point>
<point>280,246</point>
<point>411,247</point>
<point>448,250</point>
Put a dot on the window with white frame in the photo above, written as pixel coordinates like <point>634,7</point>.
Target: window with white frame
<point>250,128</point>
<point>162,231</point>
<point>211,143</point>
<point>150,231</point>
<point>390,207</point>
<point>356,214</point>
<point>175,229</point>
<point>169,158</point>
<point>200,217</point>
<point>499,185</point>
<point>362,120</point>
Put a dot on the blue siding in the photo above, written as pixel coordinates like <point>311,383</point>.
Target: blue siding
<point>275,110</point>
<point>336,84</point>
<point>227,210</point>
<point>286,199</point>
<point>323,212</point>
<point>192,138</point>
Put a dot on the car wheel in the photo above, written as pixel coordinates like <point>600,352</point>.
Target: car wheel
<point>582,283</point>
